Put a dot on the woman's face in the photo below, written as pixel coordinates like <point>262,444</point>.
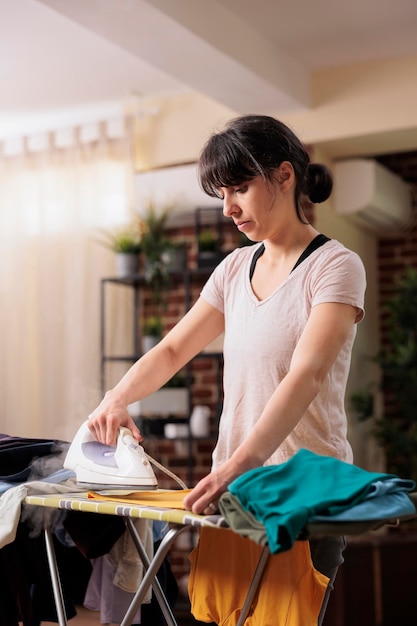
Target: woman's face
<point>259,208</point>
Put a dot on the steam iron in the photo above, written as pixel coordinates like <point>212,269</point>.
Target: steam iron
<point>99,466</point>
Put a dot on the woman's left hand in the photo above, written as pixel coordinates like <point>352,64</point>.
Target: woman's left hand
<point>204,498</point>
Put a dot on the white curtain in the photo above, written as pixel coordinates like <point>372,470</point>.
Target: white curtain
<point>56,192</point>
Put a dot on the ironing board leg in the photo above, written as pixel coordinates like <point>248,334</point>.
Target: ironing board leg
<point>150,577</point>
<point>56,583</point>
<point>254,586</point>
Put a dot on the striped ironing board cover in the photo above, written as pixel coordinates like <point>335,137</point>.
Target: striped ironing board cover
<point>81,502</point>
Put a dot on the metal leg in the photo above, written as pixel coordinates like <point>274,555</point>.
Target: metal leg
<point>150,577</point>
<point>254,586</point>
<point>56,582</point>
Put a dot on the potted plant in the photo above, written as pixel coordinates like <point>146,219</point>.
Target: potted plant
<point>151,332</point>
<point>171,399</point>
<point>396,428</point>
<point>154,238</point>
<point>126,242</point>
<point>208,249</point>
<point>154,243</point>
<point>175,256</point>
<point>244,241</point>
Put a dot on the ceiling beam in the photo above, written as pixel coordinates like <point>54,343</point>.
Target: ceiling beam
<point>203,45</point>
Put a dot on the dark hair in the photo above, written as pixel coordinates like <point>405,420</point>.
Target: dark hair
<point>255,145</point>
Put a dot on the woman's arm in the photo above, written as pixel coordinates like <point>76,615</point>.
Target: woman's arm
<point>194,331</point>
<point>327,330</point>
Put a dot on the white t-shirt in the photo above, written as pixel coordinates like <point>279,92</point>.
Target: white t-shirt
<point>260,338</point>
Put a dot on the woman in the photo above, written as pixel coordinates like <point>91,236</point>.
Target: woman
<point>289,321</point>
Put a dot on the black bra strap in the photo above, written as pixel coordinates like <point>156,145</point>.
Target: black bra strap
<point>313,245</point>
<point>256,256</point>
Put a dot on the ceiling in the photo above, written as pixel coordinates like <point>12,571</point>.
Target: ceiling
<point>60,56</point>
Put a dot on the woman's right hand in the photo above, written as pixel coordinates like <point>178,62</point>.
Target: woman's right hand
<point>104,422</point>
<point>201,324</point>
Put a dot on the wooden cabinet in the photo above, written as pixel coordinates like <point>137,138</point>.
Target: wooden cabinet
<point>376,584</point>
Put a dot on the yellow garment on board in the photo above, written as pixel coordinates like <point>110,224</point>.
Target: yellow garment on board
<point>161,498</point>
<point>222,566</point>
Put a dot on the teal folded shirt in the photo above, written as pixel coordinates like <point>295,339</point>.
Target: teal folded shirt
<point>284,497</point>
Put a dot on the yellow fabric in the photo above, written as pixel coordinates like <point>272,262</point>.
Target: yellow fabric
<point>159,497</point>
<point>222,567</point>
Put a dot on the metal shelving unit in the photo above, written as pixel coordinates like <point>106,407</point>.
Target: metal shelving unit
<point>137,284</point>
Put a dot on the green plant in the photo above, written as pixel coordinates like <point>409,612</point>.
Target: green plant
<point>362,403</point>
<point>175,256</point>
<point>207,241</point>
<point>178,381</point>
<point>244,241</point>
<point>154,243</point>
<point>126,239</point>
<point>396,428</point>
<point>154,239</point>
<point>126,243</point>
<point>153,326</point>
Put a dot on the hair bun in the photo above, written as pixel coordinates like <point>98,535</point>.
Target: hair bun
<point>318,182</point>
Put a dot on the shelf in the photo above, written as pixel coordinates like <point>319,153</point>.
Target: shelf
<point>136,280</point>
<point>185,283</point>
<point>135,357</point>
<point>209,438</point>
<point>127,358</point>
<point>139,280</point>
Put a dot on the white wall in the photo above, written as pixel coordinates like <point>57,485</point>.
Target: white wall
<point>177,184</point>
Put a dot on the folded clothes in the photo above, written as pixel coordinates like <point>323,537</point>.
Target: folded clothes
<point>160,498</point>
<point>19,454</point>
<point>285,497</point>
<point>385,506</point>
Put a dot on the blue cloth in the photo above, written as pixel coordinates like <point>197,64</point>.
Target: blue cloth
<point>56,477</point>
<point>23,459</point>
<point>387,500</point>
<point>159,530</point>
<point>285,497</point>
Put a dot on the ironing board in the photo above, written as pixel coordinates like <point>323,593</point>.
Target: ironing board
<point>179,520</point>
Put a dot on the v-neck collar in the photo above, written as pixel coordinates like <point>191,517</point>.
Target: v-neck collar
<point>315,243</point>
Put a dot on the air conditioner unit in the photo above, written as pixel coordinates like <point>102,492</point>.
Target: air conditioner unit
<point>371,195</point>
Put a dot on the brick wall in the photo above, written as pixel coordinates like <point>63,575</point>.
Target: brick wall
<point>189,459</point>
<point>399,250</point>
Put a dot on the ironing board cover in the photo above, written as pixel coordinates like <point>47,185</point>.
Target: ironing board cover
<point>81,502</point>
